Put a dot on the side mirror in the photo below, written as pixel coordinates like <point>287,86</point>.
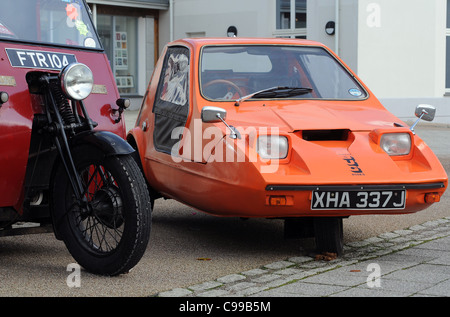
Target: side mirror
<point>213,114</point>
<point>425,112</point>
<point>216,114</point>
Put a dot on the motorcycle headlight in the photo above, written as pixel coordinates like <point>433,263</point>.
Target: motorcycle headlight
<point>272,146</point>
<point>77,81</point>
<point>396,143</point>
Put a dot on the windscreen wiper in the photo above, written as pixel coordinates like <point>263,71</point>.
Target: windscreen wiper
<point>275,92</point>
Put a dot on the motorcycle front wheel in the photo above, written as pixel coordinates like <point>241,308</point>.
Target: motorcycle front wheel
<point>108,229</point>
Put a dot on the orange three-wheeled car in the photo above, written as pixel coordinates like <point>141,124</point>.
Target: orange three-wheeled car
<point>279,128</point>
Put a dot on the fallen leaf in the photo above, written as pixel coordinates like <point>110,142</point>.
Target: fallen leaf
<point>325,256</point>
<point>203,259</point>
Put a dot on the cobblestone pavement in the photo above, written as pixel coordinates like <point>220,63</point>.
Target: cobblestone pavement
<point>410,262</point>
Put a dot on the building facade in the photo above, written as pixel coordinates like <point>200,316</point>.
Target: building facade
<point>398,48</point>
<point>129,31</point>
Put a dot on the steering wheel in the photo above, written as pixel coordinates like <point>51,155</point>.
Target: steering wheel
<point>225,82</point>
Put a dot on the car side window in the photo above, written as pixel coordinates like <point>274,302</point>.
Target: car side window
<point>175,80</point>
<point>171,106</point>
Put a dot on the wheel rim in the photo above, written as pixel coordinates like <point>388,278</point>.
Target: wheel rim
<point>98,219</point>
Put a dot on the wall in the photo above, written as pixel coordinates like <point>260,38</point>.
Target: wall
<point>401,53</point>
<point>252,18</point>
<point>401,47</point>
<point>344,42</point>
<point>396,47</point>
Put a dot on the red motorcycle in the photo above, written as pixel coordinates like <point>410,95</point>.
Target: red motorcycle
<point>64,162</point>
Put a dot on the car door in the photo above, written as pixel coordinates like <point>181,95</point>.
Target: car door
<point>171,107</point>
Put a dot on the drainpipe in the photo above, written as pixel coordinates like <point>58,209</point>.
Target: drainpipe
<point>337,26</point>
<point>94,14</point>
<point>171,22</point>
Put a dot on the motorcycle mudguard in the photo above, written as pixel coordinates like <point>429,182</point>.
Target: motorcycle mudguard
<point>108,142</point>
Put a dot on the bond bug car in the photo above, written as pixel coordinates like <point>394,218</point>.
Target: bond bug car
<point>279,128</point>
<point>64,161</point>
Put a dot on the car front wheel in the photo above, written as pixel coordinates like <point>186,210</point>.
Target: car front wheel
<point>329,234</point>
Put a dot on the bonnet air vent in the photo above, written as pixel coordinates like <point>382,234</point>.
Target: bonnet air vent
<point>325,135</point>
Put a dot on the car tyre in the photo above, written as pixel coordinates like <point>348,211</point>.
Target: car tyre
<point>328,234</point>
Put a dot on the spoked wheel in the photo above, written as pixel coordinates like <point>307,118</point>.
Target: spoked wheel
<point>107,231</point>
<point>329,234</point>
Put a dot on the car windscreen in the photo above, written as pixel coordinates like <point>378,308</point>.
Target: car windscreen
<point>57,22</point>
<point>294,72</point>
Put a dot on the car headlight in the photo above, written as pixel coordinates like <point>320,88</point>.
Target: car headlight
<point>77,81</point>
<point>272,146</point>
<point>396,143</point>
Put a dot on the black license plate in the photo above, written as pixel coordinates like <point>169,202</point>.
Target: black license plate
<point>39,59</point>
<point>371,199</point>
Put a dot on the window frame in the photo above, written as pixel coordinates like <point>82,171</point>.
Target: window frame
<point>292,31</point>
<point>168,115</point>
<point>447,53</point>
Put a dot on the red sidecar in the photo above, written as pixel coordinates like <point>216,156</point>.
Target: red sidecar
<point>64,159</point>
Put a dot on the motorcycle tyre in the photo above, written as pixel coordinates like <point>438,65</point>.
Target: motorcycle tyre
<point>137,214</point>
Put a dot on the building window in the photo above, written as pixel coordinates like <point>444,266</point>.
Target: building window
<point>119,37</point>
<point>447,67</point>
<point>291,18</point>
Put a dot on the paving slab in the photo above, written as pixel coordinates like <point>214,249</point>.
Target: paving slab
<point>416,265</point>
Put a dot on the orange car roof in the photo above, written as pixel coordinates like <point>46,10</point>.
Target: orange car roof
<point>244,40</point>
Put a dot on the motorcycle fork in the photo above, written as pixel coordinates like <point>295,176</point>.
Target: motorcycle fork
<point>61,140</point>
